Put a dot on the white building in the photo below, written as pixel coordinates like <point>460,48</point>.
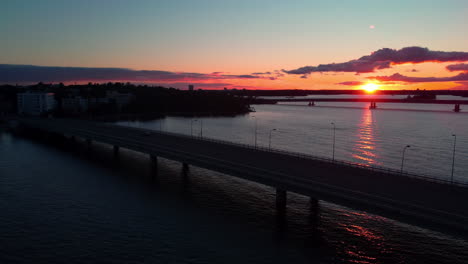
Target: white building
<point>35,103</point>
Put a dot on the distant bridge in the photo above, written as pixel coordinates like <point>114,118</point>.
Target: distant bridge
<point>456,103</point>
<point>410,198</point>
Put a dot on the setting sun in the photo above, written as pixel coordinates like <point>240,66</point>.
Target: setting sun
<point>370,87</point>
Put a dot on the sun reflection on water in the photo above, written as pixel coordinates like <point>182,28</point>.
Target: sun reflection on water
<point>364,149</point>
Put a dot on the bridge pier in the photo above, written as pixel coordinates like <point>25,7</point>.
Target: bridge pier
<point>154,165</point>
<point>154,161</point>
<point>116,151</point>
<point>281,198</point>
<point>57,137</point>
<point>46,135</point>
<point>314,215</point>
<point>72,141</point>
<point>89,142</point>
<point>54,138</point>
<point>185,174</point>
<point>314,204</point>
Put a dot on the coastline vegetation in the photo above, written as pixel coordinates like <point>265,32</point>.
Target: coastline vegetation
<point>147,102</point>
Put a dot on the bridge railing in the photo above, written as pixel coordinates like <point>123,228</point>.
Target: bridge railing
<point>373,168</point>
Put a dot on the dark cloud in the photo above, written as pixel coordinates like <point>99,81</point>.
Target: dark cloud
<point>245,76</point>
<point>350,66</point>
<point>383,59</point>
<point>351,83</point>
<point>269,75</point>
<point>402,78</point>
<point>30,74</point>
<point>458,67</point>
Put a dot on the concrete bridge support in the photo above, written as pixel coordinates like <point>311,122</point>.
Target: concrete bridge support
<point>116,151</point>
<point>154,165</point>
<point>185,174</point>
<point>281,199</point>
<point>314,204</point>
<point>89,142</point>
<point>46,135</point>
<point>55,138</point>
<point>314,215</point>
<point>154,161</point>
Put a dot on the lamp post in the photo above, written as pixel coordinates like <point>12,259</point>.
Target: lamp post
<point>334,133</point>
<point>269,138</point>
<point>191,126</point>
<point>255,130</point>
<point>201,128</point>
<point>403,157</point>
<point>453,156</point>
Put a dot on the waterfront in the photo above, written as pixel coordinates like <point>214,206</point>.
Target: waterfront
<point>60,202</point>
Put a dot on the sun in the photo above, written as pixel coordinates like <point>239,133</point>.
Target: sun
<point>370,87</point>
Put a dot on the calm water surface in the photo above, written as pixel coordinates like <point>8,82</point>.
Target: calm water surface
<point>66,205</point>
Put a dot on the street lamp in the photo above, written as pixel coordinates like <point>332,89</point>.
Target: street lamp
<point>191,126</point>
<point>201,128</point>
<point>255,130</point>
<point>334,133</point>
<point>403,157</point>
<point>269,138</point>
<point>453,155</point>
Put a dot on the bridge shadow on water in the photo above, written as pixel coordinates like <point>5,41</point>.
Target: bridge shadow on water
<point>317,228</point>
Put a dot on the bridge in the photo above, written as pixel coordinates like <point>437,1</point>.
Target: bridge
<point>410,198</point>
<point>373,101</point>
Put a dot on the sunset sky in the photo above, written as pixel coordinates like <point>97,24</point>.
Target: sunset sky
<point>252,44</point>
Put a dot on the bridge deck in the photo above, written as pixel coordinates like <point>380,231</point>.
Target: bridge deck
<point>433,204</point>
<point>377,100</point>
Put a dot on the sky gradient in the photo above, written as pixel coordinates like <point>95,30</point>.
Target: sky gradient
<point>215,44</point>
